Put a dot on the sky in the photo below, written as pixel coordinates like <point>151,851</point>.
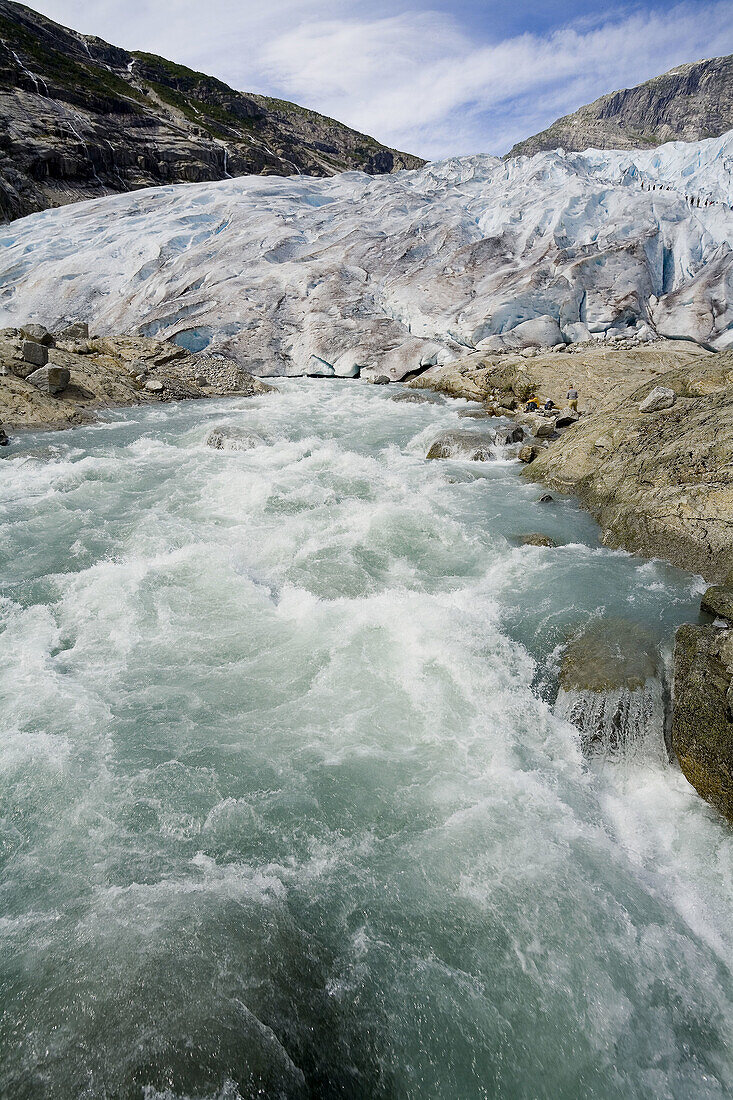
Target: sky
<point>437,79</point>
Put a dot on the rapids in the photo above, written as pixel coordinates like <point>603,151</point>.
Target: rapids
<point>285,808</point>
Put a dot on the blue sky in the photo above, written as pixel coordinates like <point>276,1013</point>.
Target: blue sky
<point>438,79</point>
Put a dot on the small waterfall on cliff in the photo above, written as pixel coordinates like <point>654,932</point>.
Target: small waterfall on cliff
<point>617,721</point>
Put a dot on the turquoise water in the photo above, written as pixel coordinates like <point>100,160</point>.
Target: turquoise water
<point>285,811</point>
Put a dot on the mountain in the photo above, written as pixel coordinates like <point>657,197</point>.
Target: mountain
<point>393,273</point>
<point>688,103</point>
<point>80,118</point>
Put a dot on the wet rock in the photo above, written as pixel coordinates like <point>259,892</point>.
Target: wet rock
<point>37,334</point>
<point>702,728</point>
<point>505,436</point>
<point>154,385</point>
<point>610,687</point>
<point>34,353</point>
<point>4,438</point>
<point>546,498</point>
<point>536,538</point>
<point>50,379</point>
<point>474,446</point>
<point>410,398</point>
<point>379,380</point>
<point>474,414</point>
<point>529,453</point>
<point>233,439</point>
<point>661,397</point>
<point>718,600</point>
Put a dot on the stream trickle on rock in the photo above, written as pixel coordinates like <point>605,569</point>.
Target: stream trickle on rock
<point>286,807</point>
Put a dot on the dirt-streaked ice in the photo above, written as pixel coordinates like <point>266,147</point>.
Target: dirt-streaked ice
<point>332,275</point>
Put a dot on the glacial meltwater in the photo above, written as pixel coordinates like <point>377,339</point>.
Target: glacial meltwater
<point>287,809</point>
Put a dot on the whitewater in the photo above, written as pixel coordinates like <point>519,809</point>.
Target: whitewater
<point>286,808</point>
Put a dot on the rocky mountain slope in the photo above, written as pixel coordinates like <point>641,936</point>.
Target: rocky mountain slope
<point>688,103</point>
<point>80,118</point>
<point>392,273</point>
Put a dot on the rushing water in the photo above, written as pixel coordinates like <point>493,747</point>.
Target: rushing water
<point>285,808</point>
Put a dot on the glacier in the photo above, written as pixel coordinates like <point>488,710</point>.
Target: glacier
<point>391,274</point>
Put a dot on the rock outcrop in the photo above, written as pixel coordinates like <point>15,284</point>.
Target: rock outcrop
<point>84,376</point>
<point>80,118</point>
<point>702,718</point>
<point>688,103</point>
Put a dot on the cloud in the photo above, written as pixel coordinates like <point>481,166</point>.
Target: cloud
<point>419,79</point>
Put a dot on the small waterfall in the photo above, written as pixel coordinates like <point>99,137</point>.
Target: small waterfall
<point>617,721</point>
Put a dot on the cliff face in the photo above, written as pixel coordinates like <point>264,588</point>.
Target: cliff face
<point>686,104</point>
<point>80,118</point>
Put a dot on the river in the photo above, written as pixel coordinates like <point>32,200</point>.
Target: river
<point>285,809</point>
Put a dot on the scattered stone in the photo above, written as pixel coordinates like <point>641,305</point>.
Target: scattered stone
<point>474,446</point>
<point>702,729</point>
<point>34,353</point>
<point>718,600</point>
<point>661,397</point>
<point>37,334</point>
<point>154,386</point>
<point>529,453</point>
<point>536,539</point>
<point>50,379</point>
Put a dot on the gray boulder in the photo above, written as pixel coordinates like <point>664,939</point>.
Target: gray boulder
<point>34,353</point>
<point>505,436</point>
<point>536,539</point>
<point>50,379</point>
<point>4,438</point>
<point>529,453</point>
<point>233,439</point>
<point>79,330</point>
<point>718,600</point>
<point>474,446</point>
<point>38,334</point>
<point>154,386</point>
<point>660,398</point>
<point>566,418</point>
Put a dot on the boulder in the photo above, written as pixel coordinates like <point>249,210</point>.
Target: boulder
<point>474,446</point>
<point>718,600</point>
<point>539,332</point>
<point>529,453</point>
<point>233,439</point>
<point>546,498</point>
<point>411,398</point>
<point>702,728</point>
<point>505,436</point>
<point>35,353</point>
<point>565,418</point>
<point>78,330</point>
<point>37,334</point>
<point>542,427</point>
<point>536,539</point>
<point>50,379</point>
<point>661,397</point>
<point>154,386</point>
<point>379,380</point>
<point>4,438</point>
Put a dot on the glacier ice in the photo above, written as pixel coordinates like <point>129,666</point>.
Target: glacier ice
<point>391,273</point>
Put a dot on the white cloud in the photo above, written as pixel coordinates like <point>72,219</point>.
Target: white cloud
<point>417,79</point>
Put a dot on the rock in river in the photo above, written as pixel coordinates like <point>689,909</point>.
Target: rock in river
<point>475,446</point>
<point>718,600</point>
<point>233,439</point>
<point>702,728</point>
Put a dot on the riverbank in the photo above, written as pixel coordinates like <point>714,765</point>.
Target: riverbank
<point>89,375</point>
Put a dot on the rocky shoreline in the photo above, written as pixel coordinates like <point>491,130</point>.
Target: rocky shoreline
<point>651,457</point>
<point>51,381</point>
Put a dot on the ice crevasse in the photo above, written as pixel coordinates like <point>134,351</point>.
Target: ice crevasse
<point>393,273</point>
